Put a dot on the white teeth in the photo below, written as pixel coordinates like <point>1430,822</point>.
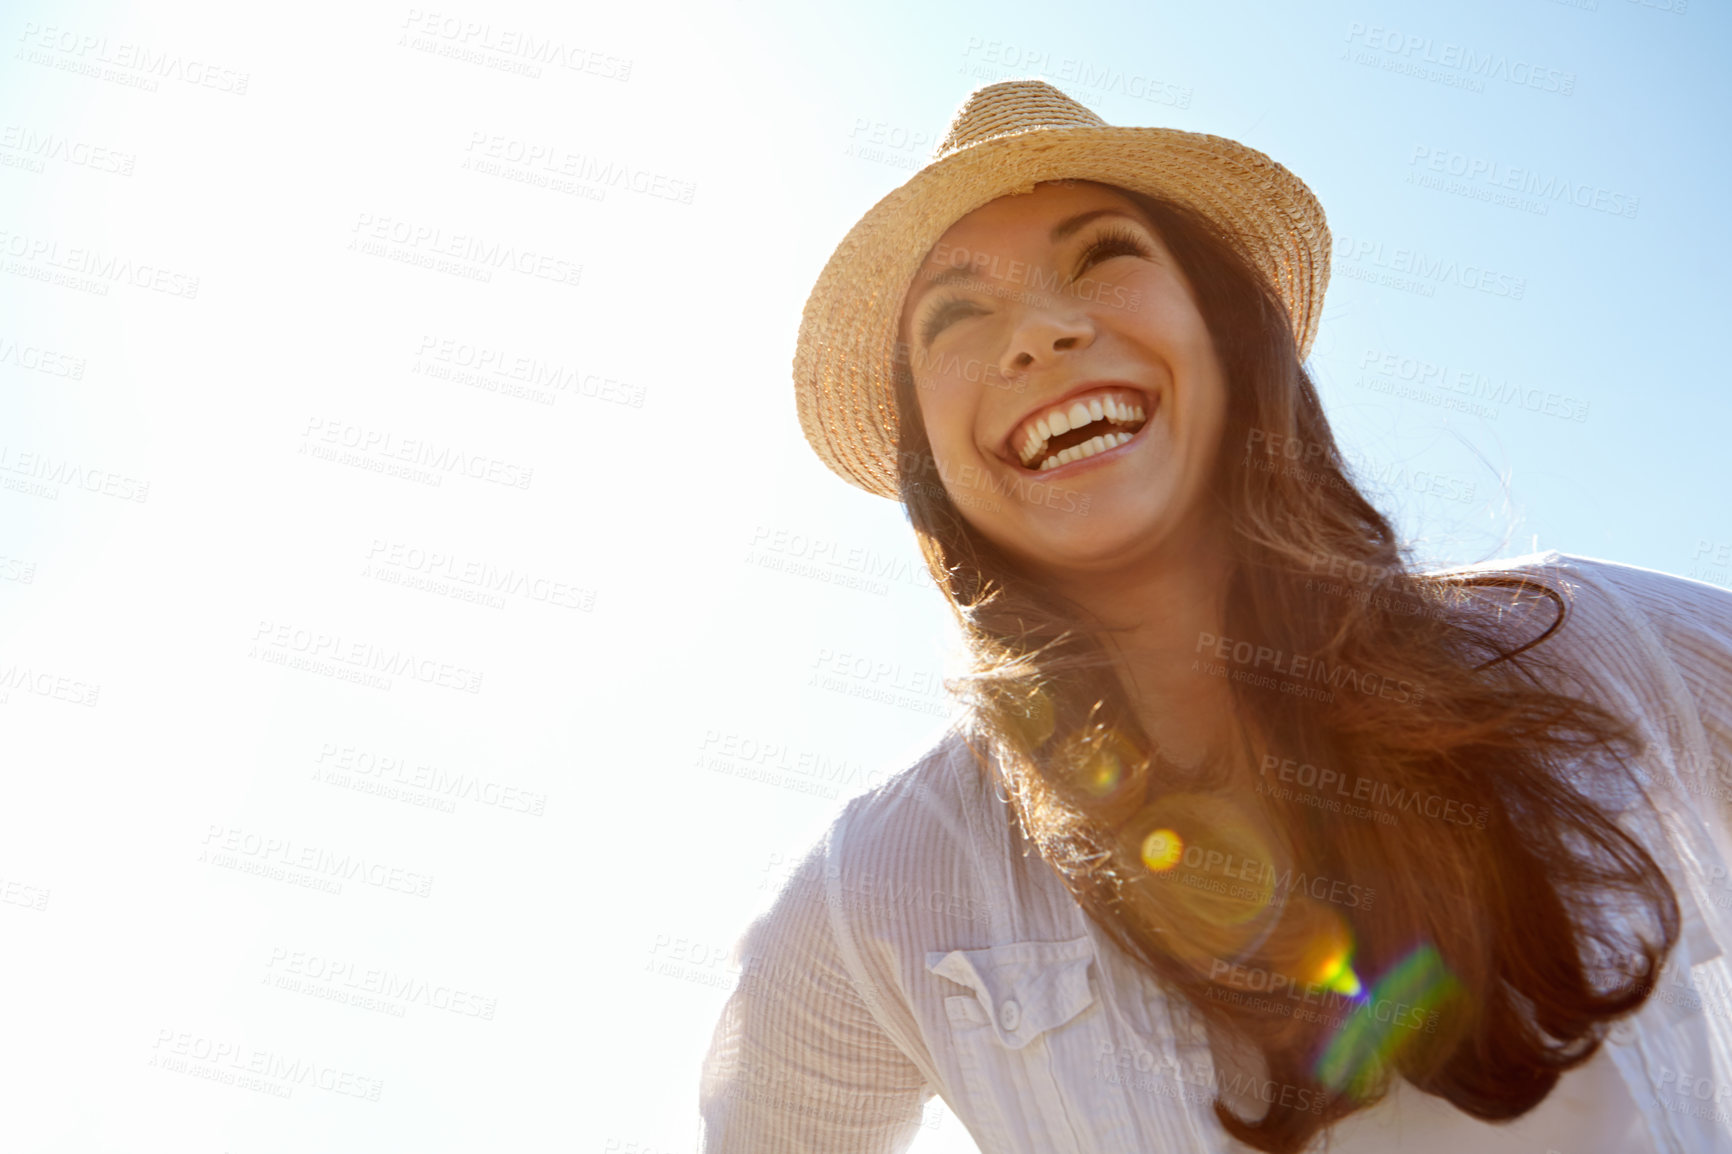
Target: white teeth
<point>1088,448</point>
<point>1056,422</point>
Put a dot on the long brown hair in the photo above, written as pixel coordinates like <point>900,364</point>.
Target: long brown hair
<point>1420,883</point>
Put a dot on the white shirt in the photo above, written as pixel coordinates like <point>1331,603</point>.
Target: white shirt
<point>923,947</point>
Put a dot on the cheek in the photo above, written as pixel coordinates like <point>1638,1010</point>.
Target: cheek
<point>1209,430</point>
<point>1162,305</point>
<point>948,408</point>
<point>1168,319</point>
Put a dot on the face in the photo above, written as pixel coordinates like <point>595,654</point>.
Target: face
<point>1068,384</point>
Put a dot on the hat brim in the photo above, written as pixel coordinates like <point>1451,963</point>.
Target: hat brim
<point>844,388</point>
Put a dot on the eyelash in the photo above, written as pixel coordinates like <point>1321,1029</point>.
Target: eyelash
<point>1113,240</point>
<point>936,318</point>
<point>1116,240</point>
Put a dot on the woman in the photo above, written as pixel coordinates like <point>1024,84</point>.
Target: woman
<point>1252,833</point>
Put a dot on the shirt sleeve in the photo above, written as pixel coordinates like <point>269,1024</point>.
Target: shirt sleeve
<point>797,1061</point>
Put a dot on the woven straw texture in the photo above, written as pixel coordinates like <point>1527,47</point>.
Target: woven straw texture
<point>1006,138</point>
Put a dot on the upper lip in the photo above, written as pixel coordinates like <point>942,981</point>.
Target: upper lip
<point>1008,445</point>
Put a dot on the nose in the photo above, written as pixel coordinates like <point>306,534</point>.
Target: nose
<point>1040,336</point>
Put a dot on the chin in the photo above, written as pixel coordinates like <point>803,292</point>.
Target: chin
<point>1092,541</point>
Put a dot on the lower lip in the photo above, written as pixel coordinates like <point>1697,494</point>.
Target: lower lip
<point>1081,463</point>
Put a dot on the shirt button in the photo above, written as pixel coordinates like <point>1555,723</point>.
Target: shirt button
<point>1009,1014</point>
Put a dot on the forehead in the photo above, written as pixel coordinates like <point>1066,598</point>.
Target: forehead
<point>1031,215</point>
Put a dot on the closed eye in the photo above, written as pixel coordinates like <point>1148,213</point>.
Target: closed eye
<point>947,309</point>
<point>1111,242</point>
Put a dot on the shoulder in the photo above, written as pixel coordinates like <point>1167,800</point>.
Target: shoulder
<point>1687,623</point>
<point>1642,586</point>
<point>1604,594</point>
<point>886,863</point>
<point>900,877</point>
<point>914,865</point>
<point>924,799</point>
<point>1662,638</point>
<point>1665,598</point>
<point>901,862</point>
<point>919,826</point>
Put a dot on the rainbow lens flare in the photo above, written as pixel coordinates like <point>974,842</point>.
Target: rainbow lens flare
<point>1329,961</point>
<point>1384,1022</point>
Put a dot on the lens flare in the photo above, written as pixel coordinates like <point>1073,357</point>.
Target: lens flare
<point>1385,1021</point>
<point>1032,714</point>
<point>1199,865</point>
<point>1162,850</point>
<point>1103,774</point>
<point>1102,771</point>
<point>1328,960</point>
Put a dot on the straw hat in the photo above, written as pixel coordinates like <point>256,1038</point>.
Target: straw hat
<point>1006,138</point>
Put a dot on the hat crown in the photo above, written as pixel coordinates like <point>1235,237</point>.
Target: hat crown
<point>1010,107</point>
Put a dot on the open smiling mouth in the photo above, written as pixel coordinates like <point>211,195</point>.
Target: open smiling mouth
<point>1079,427</point>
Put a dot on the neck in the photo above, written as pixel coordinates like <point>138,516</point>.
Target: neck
<point>1165,605</point>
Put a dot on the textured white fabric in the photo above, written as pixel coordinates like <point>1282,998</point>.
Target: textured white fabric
<point>918,949</point>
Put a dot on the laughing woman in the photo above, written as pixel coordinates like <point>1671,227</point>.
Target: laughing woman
<point>1252,834</point>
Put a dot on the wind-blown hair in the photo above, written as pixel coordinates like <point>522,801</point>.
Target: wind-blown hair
<point>1475,919</point>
